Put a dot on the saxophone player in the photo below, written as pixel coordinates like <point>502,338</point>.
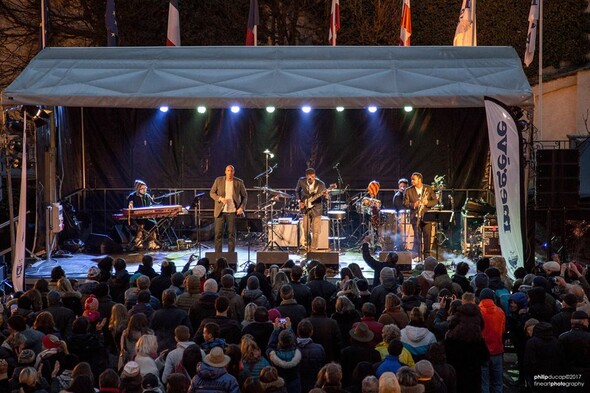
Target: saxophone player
<point>419,198</point>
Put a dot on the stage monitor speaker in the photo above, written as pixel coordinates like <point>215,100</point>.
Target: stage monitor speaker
<point>330,258</point>
<point>98,243</point>
<point>558,177</point>
<point>285,235</point>
<point>272,257</point>
<point>231,257</point>
<point>404,259</point>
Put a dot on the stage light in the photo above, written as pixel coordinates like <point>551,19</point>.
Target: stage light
<point>339,108</point>
<point>270,109</point>
<point>235,109</point>
<point>306,109</point>
<point>408,108</point>
<point>372,109</point>
<point>164,109</point>
<point>201,109</point>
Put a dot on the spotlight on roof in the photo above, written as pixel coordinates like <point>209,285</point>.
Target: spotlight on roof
<point>270,109</point>
<point>372,109</point>
<point>201,109</point>
<point>339,108</point>
<point>235,109</point>
<point>164,109</point>
<point>408,108</point>
<point>306,109</point>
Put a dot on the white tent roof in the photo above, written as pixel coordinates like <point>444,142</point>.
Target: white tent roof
<point>282,76</point>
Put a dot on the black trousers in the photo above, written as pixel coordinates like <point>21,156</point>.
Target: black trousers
<point>230,220</point>
<point>422,236</point>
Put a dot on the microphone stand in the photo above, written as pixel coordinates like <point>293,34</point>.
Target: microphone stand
<point>197,206</point>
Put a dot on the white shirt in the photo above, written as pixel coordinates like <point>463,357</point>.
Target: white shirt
<point>229,207</point>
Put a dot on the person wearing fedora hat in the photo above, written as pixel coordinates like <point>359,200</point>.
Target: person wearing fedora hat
<point>360,349</point>
<point>212,375</point>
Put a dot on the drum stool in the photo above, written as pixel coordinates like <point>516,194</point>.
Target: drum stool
<point>336,229</point>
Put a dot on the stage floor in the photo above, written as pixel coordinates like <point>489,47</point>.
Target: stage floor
<point>77,265</point>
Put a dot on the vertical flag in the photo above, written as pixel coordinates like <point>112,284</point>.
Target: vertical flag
<point>406,29</point>
<point>466,32</point>
<point>18,264</point>
<point>531,38</point>
<point>334,21</point>
<point>507,164</point>
<point>173,35</point>
<point>110,20</point>
<point>253,21</point>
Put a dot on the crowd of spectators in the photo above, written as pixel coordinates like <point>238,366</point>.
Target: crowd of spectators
<point>290,329</point>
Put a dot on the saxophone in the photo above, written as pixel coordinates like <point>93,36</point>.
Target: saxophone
<point>422,206</point>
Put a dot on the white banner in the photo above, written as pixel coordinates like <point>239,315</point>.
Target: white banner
<point>531,38</point>
<point>505,149</point>
<point>466,31</point>
<point>18,264</point>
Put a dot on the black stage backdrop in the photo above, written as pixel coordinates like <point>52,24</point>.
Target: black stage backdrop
<point>185,149</point>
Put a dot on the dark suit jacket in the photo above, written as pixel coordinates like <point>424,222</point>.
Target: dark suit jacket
<point>240,196</point>
<point>302,193</point>
<point>411,196</point>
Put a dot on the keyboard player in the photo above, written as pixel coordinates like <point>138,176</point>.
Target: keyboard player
<point>146,232</point>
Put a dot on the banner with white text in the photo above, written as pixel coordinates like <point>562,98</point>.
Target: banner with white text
<point>505,149</point>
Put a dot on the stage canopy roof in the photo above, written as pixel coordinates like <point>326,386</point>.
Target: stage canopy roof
<point>280,76</point>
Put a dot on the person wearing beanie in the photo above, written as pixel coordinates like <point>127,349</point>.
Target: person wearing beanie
<point>542,354</point>
<point>91,309</point>
<point>576,346</point>
<point>562,320</point>
<point>389,284</point>
<point>493,330</point>
<point>151,384</point>
<point>92,277</point>
<point>376,265</point>
<point>131,379</point>
<point>391,361</point>
<point>427,377</point>
<point>538,307</point>
<point>426,278</point>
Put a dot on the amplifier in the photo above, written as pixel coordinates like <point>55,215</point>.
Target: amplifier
<point>490,241</point>
<point>285,235</point>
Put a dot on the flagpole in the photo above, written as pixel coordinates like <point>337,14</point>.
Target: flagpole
<point>43,21</point>
<point>474,28</point>
<point>540,86</point>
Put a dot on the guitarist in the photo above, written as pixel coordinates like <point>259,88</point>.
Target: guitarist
<point>419,198</point>
<point>311,191</point>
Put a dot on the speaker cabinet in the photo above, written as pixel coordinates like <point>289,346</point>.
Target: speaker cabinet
<point>231,257</point>
<point>323,241</point>
<point>285,235</point>
<point>558,178</point>
<point>490,239</point>
<point>404,259</point>
<point>331,258</point>
<point>101,244</point>
<point>272,257</point>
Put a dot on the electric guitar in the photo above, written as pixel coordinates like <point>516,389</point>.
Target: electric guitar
<point>308,202</point>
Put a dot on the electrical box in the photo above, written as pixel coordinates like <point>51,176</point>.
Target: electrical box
<point>57,218</point>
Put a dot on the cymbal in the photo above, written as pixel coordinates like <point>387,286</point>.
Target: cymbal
<point>169,194</point>
<point>278,193</point>
<point>338,191</point>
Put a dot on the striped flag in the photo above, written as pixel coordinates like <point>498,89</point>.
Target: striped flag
<point>18,264</point>
<point>406,29</point>
<point>334,21</point>
<point>466,32</point>
<point>253,21</point>
<point>173,36</point>
<point>531,38</point>
<point>110,20</point>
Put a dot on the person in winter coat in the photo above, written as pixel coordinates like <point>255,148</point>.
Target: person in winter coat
<point>190,296</point>
<point>346,316</point>
<point>416,337</point>
<point>284,355</point>
<point>325,330</point>
<point>252,360</point>
<point>391,361</point>
<point>359,350</point>
<point>561,321</point>
<point>389,333</point>
<point>576,346</point>
<point>542,354</point>
<point>390,261</point>
<point>437,357</point>
<point>389,284</point>
<point>393,312</point>
<point>260,329</point>
<point>271,382</point>
<point>465,332</point>
<point>167,319</point>
<point>212,376</point>
<point>460,277</point>
<point>253,294</point>
<point>182,336</point>
<point>313,355</point>
<point>493,332</point>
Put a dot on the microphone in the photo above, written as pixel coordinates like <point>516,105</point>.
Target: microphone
<point>336,166</point>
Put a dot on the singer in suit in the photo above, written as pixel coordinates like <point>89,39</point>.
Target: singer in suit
<point>230,196</point>
<point>420,197</point>
<point>310,187</point>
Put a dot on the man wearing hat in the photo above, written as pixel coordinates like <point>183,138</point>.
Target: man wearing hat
<point>360,349</point>
<point>212,375</point>
<point>576,346</point>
